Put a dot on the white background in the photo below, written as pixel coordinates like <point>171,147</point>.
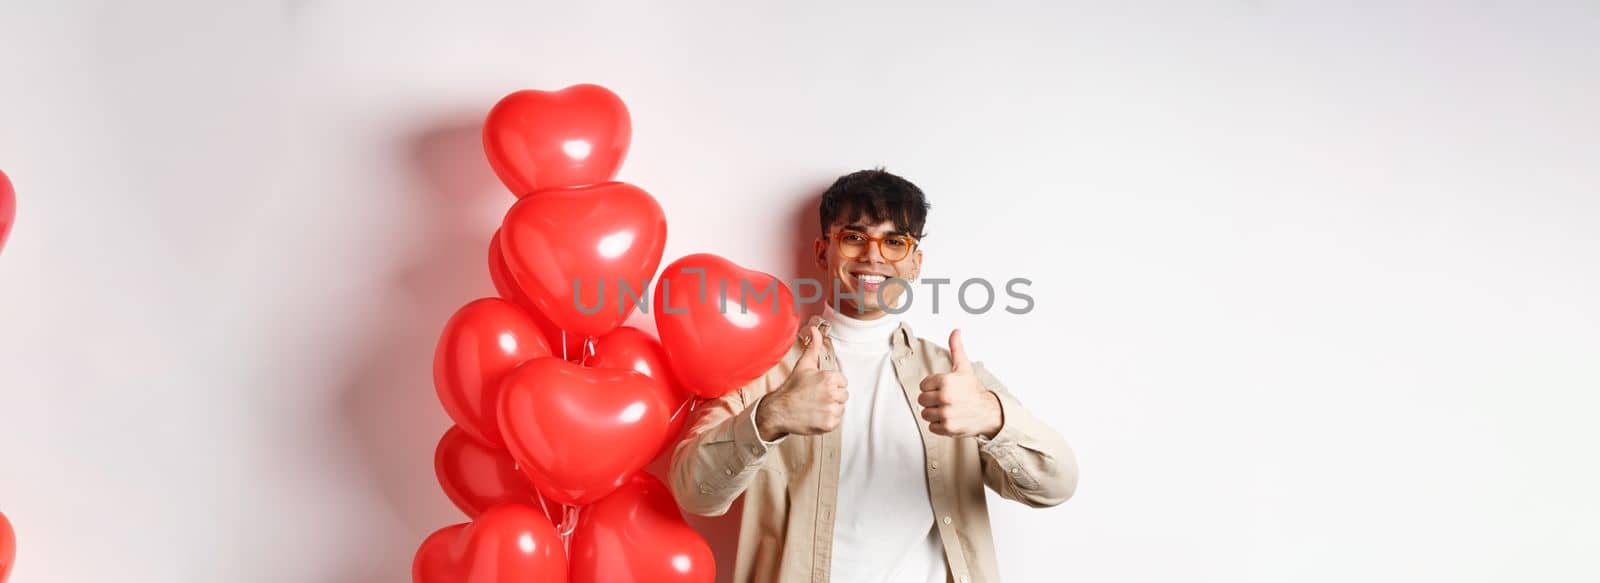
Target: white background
<point>1325,276</point>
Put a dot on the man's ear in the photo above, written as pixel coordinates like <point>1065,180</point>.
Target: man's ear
<point>821,246</point>
<point>916,262</point>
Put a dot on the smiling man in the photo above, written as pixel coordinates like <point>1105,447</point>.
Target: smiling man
<point>863,455</point>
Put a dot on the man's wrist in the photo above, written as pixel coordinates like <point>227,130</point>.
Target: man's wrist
<point>766,429</point>
<point>998,417</point>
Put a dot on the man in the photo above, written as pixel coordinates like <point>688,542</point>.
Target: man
<point>863,454</point>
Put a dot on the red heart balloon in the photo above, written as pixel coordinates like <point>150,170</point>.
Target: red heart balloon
<point>477,477</point>
<point>8,541</point>
<point>579,432</point>
<point>8,213</point>
<point>500,274</point>
<point>481,343</point>
<point>510,543</point>
<point>555,139</point>
<point>606,239</point>
<point>637,534</point>
<point>713,350</point>
<point>630,348</point>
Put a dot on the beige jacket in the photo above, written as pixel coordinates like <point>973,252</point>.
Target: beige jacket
<point>790,488</point>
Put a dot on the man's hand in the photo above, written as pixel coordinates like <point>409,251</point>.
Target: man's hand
<point>955,403</point>
<point>810,402</point>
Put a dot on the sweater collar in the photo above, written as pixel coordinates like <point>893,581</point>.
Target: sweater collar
<point>857,331</point>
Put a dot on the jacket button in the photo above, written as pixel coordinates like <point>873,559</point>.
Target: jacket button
<point>727,471</point>
<point>947,520</point>
<point>935,465</point>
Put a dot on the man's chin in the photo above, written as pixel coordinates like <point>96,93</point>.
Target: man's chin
<point>861,309</point>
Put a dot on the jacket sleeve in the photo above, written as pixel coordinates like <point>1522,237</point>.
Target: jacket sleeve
<point>1027,461</point>
<point>721,451</point>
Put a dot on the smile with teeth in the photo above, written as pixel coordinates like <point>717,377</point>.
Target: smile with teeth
<point>870,280</point>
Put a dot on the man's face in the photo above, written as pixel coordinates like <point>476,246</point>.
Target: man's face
<point>864,275</point>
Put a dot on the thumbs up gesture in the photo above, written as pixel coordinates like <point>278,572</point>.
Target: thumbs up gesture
<point>810,402</point>
<point>955,404</point>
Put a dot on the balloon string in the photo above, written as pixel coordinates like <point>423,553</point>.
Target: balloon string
<point>542,505</point>
<point>569,523</point>
<point>569,520</point>
<point>688,404</point>
<point>588,350</point>
<point>563,345</point>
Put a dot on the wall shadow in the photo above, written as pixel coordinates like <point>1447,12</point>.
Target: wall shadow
<point>803,232</point>
<point>388,402</point>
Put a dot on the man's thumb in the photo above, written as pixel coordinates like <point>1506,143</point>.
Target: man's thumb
<point>808,358</point>
<point>958,353</point>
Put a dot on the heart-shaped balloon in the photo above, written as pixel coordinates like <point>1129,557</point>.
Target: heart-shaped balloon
<point>500,274</point>
<point>716,346</point>
<point>510,543</point>
<point>637,535</point>
<point>630,348</point>
<point>604,240</point>
<point>8,211</point>
<point>8,543</point>
<point>537,140</point>
<point>477,477</point>
<point>481,343</point>
<point>578,432</point>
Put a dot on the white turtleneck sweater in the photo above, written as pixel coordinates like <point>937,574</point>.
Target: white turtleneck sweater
<point>884,529</point>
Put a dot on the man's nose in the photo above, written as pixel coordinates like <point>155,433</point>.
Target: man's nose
<point>873,253</point>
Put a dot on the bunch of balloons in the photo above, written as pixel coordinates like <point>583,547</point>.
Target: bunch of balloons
<point>557,406</point>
